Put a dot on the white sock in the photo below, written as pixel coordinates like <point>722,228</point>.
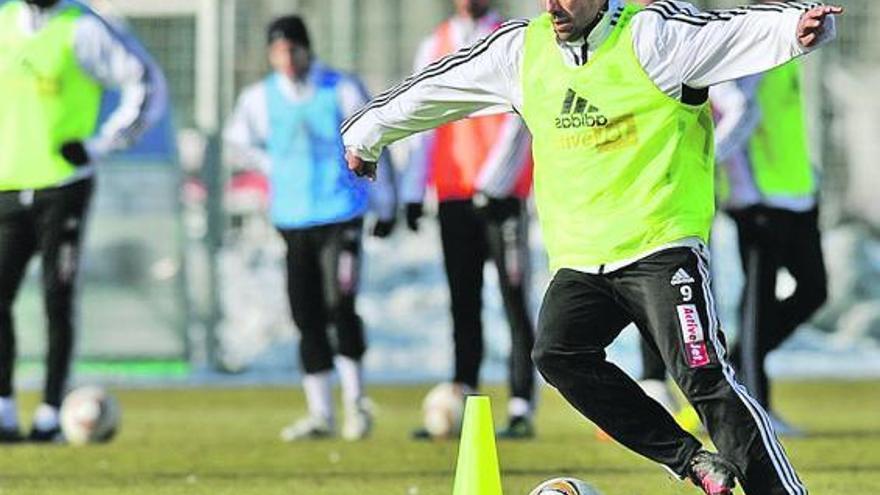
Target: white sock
<point>519,407</point>
<point>351,378</point>
<point>46,417</point>
<point>8,413</point>
<point>318,388</point>
<point>659,391</point>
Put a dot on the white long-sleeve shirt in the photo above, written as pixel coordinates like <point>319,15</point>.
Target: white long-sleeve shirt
<point>678,46</point>
<point>247,131</point>
<point>116,61</point>
<point>509,153</point>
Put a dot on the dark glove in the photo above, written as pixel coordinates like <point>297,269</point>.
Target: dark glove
<point>75,153</point>
<point>383,228</point>
<point>497,209</point>
<point>414,212</point>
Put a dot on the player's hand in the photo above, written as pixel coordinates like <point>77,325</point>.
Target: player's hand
<point>383,228</point>
<point>414,212</point>
<point>75,153</point>
<point>812,24</point>
<point>360,167</point>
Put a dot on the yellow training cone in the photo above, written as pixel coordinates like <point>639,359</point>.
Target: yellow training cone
<point>477,471</point>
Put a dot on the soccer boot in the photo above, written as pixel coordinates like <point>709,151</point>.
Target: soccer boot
<point>9,431</point>
<point>358,421</point>
<point>519,428</point>
<point>308,428</point>
<point>46,427</point>
<point>10,435</point>
<point>421,433</point>
<point>712,473</point>
<point>50,435</point>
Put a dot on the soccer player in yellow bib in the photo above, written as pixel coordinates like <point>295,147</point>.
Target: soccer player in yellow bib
<point>56,56</point>
<point>616,99</point>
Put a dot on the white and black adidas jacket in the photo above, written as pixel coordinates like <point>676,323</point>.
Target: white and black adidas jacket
<point>680,48</point>
<point>117,61</point>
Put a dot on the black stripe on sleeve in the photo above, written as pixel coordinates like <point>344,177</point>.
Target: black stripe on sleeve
<point>435,69</point>
<point>670,11</point>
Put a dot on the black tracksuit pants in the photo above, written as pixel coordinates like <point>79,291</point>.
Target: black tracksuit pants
<point>770,239</point>
<point>323,265</point>
<point>469,240</point>
<point>50,221</point>
<point>653,367</point>
<point>583,313</point>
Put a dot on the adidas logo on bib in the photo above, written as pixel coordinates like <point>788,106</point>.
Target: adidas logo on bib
<point>578,112</point>
<point>681,277</point>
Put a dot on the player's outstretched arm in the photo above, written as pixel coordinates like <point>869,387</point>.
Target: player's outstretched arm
<point>481,79</point>
<point>703,48</point>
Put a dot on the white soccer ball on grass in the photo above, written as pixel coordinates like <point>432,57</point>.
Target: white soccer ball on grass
<point>564,486</point>
<point>443,409</point>
<point>89,415</point>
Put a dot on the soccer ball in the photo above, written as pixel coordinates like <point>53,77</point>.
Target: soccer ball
<point>443,409</point>
<point>564,486</point>
<point>89,415</point>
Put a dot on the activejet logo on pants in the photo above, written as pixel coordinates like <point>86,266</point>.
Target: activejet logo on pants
<point>577,112</point>
<point>695,350</point>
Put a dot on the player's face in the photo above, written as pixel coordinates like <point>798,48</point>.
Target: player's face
<point>472,8</point>
<point>644,2</point>
<point>289,59</point>
<point>572,17</point>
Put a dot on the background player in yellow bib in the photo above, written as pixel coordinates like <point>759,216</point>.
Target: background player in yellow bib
<point>771,193</point>
<point>56,56</point>
<point>616,99</point>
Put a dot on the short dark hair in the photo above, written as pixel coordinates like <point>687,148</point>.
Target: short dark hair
<point>290,28</point>
<point>43,4</point>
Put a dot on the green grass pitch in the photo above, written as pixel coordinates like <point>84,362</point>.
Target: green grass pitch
<point>218,441</point>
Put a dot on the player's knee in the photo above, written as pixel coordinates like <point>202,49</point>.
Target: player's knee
<point>315,365</point>
<point>352,345</point>
<point>542,357</point>
<point>315,357</point>
<point>345,318</point>
<point>550,362</point>
<point>310,321</point>
<point>513,291</point>
<point>59,306</point>
<point>702,382</point>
